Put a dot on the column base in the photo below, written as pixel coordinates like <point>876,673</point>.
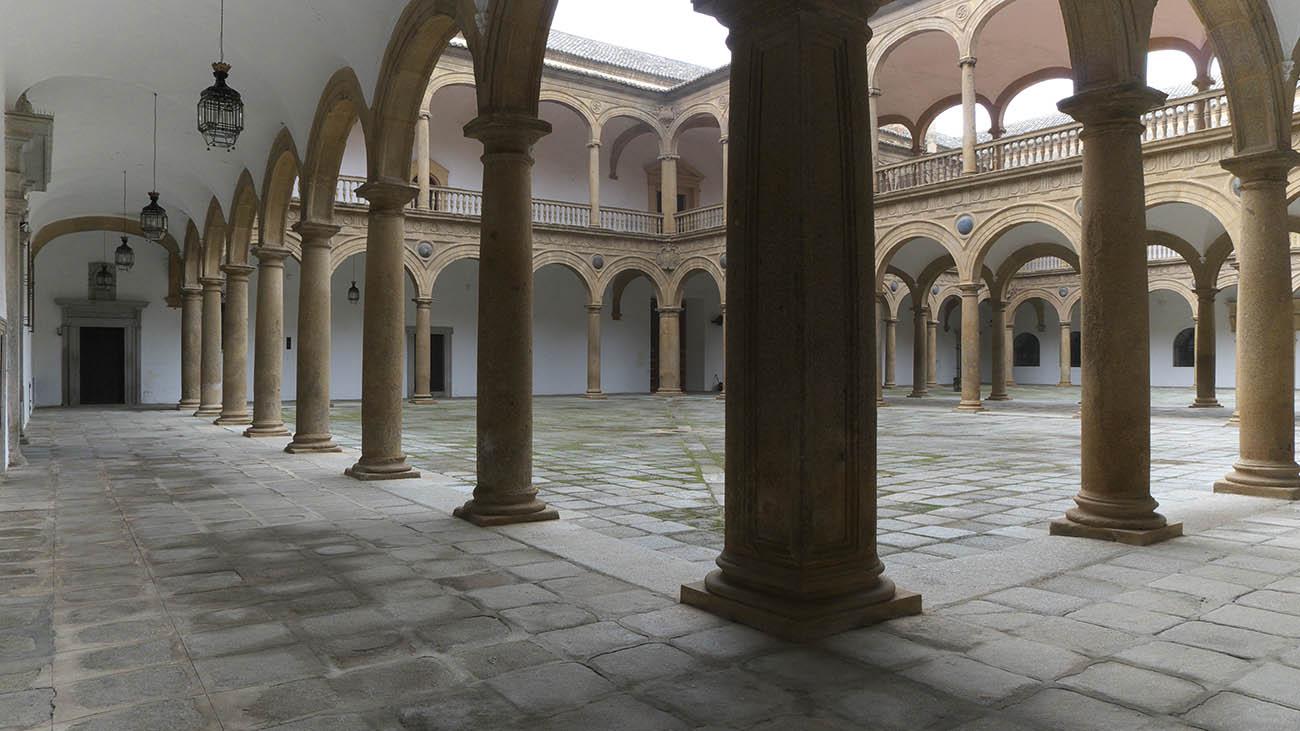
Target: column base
<point>888,385</point>
<point>312,444</point>
<point>487,516</point>
<point>918,394</point>
<point>935,384</point>
<point>17,460</point>
<point>1210,403</point>
<point>234,420</point>
<point>266,430</point>
<point>208,411</point>
<point>422,400</point>
<point>187,405</point>
<point>388,469</point>
<point>1064,384</point>
<point>722,395</point>
<point>1234,420</point>
<point>594,395</point>
<point>793,621</point>
<point>970,407</point>
<point>998,397</point>
<point>1256,479</point>
<point>1067,527</point>
<point>667,392</point>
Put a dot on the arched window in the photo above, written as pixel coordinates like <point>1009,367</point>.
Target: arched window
<point>1185,349</point>
<point>1026,351</point>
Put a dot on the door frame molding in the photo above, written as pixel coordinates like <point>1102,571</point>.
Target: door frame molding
<point>79,313</point>
<point>446,333</point>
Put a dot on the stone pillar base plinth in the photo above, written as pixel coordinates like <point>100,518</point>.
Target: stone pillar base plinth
<point>1234,420</point>
<point>797,622</point>
<point>234,420</point>
<point>1067,527</point>
<point>312,444</point>
<point>1208,404</point>
<point>918,394</point>
<point>1064,384</point>
<point>998,397</point>
<point>187,405</point>
<point>1278,481</point>
<point>209,411</point>
<point>595,395</point>
<point>259,431</point>
<point>385,470</point>
<point>483,517</point>
<point>422,400</point>
<point>670,392</point>
<point>722,396</point>
<point>970,407</point>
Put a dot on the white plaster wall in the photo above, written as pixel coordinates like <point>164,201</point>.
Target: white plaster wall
<point>1048,372</point>
<point>61,272</point>
<point>630,190</point>
<point>289,349</point>
<point>455,305</point>
<point>559,332</point>
<point>903,352</point>
<point>1225,351</point>
<point>1170,313</point>
<point>560,158</point>
<point>354,155</point>
<point>704,362</point>
<point>702,149</point>
<point>449,111</point>
<point>625,343</point>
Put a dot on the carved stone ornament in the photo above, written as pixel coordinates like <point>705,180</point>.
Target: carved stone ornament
<point>963,13</point>
<point>669,258</point>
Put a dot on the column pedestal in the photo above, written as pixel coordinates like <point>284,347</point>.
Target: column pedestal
<point>970,349</point>
<point>268,344</point>
<point>312,419</point>
<point>234,353</point>
<point>383,335</point>
<point>423,352</point>
<point>210,366</point>
<point>191,347</point>
<point>593,352</point>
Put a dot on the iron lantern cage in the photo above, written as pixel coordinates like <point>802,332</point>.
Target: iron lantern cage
<point>221,111</point>
<point>103,277</point>
<point>124,256</point>
<point>153,219</point>
<point>354,294</point>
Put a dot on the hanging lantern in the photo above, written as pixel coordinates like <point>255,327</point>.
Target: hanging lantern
<point>103,278</point>
<point>124,257</point>
<point>354,294</point>
<point>153,217</point>
<point>221,110</point>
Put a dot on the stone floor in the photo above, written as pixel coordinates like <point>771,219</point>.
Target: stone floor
<point>158,572</point>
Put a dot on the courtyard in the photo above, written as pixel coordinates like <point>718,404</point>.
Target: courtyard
<point>157,571</point>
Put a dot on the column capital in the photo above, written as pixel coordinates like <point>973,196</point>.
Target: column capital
<point>269,254</point>
<point>733,12</point>
<point>388,196</point>
<point>670,311</point>
<point>873,91</point>
<point>506,132</point>
<point>1120,104</point>
<point>191,292</point>
<point>890,320</point>
<point>969,289</point>
<point>669,156</point>
<point>593,144</point>
<point>966,61</point>
<point>1206,293</point>
<point>724,140</point>
<point>316,233</point>
<point>424,114</point>
<point>237,272</point>
<point>595,307</point>
<point>1271,166</point>
<point>211,283</point>
<point>423,303</point>
<point>1067,325</point>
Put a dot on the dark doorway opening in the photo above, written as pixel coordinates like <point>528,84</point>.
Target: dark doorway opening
<point>654,346</point>
<point>438,364</point>
<point>103,365</point>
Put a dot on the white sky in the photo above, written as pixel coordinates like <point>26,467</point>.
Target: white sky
<point>673,29</point>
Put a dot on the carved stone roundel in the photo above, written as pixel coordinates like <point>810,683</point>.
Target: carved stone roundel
<point>668,258</point>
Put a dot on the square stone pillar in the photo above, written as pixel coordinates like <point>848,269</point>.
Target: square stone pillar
<point>800,556</point>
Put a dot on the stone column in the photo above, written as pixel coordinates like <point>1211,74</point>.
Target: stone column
<point>593,351</point>
<point>998,338</point>
<point>1266,466</point>
<point>800,557</point>
<point>268,344</point>
<point>1205,345</point>
<point>919,357</point>
<point>722,392</point>
<point>15,212</point>
<point>891,350</point>
<point>970,349</point>
<point>312,420</point>
<point>1114,501</point>
<point>210,367</point>
<point>593,181</point>
<point>873,107</point>
<point>1065,354</point>
<point>423,351</point>
<point>383,334</point>
<point>505,493</point>
<point>191,346</point>
<point>422,159</point>
<point>931,350</point>
<point>726,152</point>
<point>234,351</point>
<point>670,351</point>
<point>668,191</point>
<point>1009,348</point>
<point>968,102</point>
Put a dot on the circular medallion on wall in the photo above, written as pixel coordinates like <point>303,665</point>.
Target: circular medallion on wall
<point>598,261</point>
<point>722,261</point>
<point>934,290</point>
<point>893,286</point>
<point>424,249</point>
<point>1078,208</point>
<point>1236,186</point>
<point>1063,291</point>
<point>965,223</point>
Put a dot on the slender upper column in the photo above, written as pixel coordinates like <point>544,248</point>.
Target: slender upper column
<point>422,161</point>
<point>920,358</point>
<point>1009,349</point>
<point>668,191</point>
<point>268,344</point>
<point>423,351</point>
<point>1065,354</point>
<point>312,409</point>
<point>1265,332</point>
<point>998,338</point>
<point>873,108</point>
<point>505,491</point>
<point>234,351</point>
<point>725,141</point>
<point>593,181</point>
<point>891,352</point>
<point>800,557</point>
<point>931,349</point>
<point>191,346</point>
<point>593,351</point>
<point>968,163</point>
<point>970,349</point>
<point>1205,346</point>
<point>1114,500</point>
<point>670,351</point>
<point>383,334</point>
<point>210,367</point>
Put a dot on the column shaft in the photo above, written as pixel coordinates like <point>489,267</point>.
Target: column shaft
<point>593,181</point>
<point>593,352</point>
<point>423,351</point>
<point>920,359</point>
<point>1114,500</point>
<point>931,350</point>
<point>505,491</point>
<point>422,160</point>
<point>234,351</point>
<point>383,335</point>
<point>210,368</point>
<point>726,151</point>
<point>1205,351</point>
<point>722,392</point>
<point>800,556</point>
<point>1065,354</point>
<point>970,349</point>
<point>312,407</point>
<point>268,344</point>
<point>191,346</point>
<point>968,102</point>
<point>670,351</point>
<point>1266,465</point>
<point>891,351</point>
<point>1009,348</point>
<point>668,191</point>
<point>998,338</point>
